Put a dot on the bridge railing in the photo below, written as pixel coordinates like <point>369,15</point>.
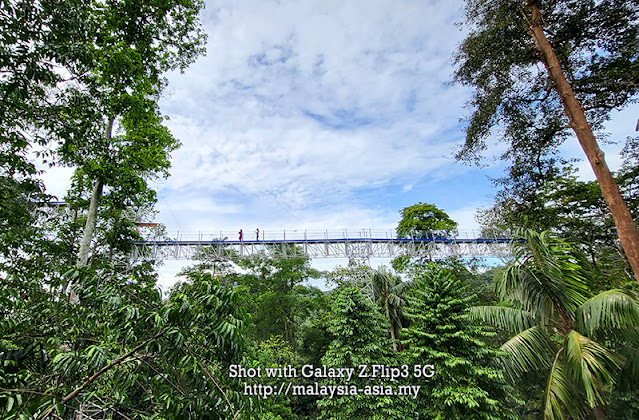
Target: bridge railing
<point>293,235</point>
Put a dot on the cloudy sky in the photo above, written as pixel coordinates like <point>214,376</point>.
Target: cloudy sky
<point>317,114</point>
<point>314,115</point>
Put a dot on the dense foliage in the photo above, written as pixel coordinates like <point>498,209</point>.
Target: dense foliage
<point>442,332</point>
<point>425,221</point>
<point>360,337</point>
<point>121,349</point>
<point>584,343</point>
<point>85,332</point>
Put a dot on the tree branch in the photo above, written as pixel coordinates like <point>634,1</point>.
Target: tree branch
<point>96,375</point>
<point>26,391</point>
<point>217,385</point>
<point>180,390</point>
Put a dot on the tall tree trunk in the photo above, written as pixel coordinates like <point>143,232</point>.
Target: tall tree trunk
<point>626,228</point>
<point>89,225</point>
<point>398,328</point>
<point>393,337</point>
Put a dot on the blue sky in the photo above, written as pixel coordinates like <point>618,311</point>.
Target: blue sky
<point>324,114</point>
<point>340,112</point>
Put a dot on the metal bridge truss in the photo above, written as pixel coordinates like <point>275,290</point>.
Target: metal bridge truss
<point>352,248</point>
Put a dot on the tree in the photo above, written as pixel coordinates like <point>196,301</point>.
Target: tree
<point>81,81</point>
<point>130,45</point>
<point>574,209</point>
<point>628,174</point>
<point>271,285</point>
<point>589,52</point>
<point>28,75</point>
<point>443,334</point>
<point>389,295</point>
<point>583,344</point>
<point>425,221</point>
<point>273,353</point>
<point>360,338</point>
<point>122,349</point>
<point>519,201</point>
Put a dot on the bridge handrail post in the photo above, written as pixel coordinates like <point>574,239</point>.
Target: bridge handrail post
<point>284,244</point>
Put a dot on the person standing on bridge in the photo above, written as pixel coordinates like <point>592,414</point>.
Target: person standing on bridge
<point>240,233</point>
<point>257,234</point>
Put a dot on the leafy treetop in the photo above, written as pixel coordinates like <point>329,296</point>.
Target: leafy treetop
<point>425,221</point>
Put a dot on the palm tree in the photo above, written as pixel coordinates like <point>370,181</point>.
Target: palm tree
<point>388,294</point>
<point>582,342</point>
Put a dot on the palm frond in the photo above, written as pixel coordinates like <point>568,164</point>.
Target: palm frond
<point>402,287</point>
<point>395,300</point>
<point>591,365</point>
<point>560,397</point>
<point>511,320</point>
<point>530,350</point>
<point>533,293</point>
<point>508,280</point>
<point>609,310</point>
<point>548,277</point>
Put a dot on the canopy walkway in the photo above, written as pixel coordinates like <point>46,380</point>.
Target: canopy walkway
<point>360,244</point>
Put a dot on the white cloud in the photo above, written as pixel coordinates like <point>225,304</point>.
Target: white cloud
<point>316,114</point>
<point>465,217</point>
<point>312,115</point>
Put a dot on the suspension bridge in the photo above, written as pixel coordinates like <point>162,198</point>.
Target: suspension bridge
<point>358,244</point>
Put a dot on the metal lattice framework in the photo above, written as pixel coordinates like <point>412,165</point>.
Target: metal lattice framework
<point>363,245</point>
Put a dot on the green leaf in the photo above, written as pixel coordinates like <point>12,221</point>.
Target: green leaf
<point>530,350</point>
<point>508,319</point>
<point>560,392</point>
<point>591,365</point>
<point>612,309</point>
